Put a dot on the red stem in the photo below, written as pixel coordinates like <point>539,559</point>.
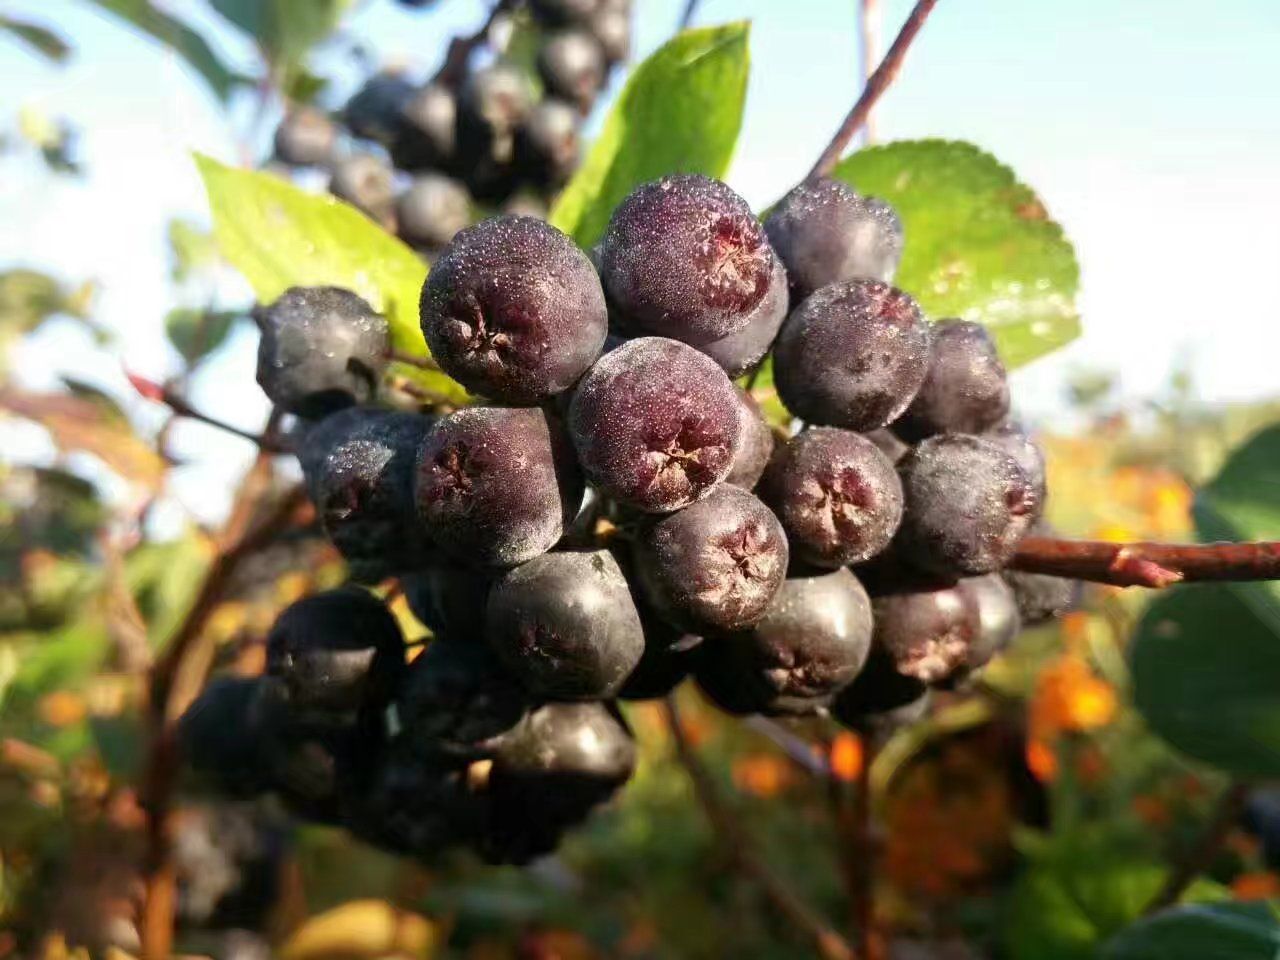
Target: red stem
<point>1147,564</point>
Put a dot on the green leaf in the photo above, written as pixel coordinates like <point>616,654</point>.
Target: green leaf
<point>279,236</point>
<point>1204,667</point>
<point>1222,931</point>
<point>680,112</point>
<point>179,38</point>
<point>192,248</point>
<point>197,333</point>
<point>164,579</point>
<point>284,29</point>
<point>41,39</point>
<point>979,244</point>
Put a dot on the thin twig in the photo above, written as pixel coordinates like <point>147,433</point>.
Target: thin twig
<point>454,68</point>
<point>869,14</point>
<point>875,87</point>
<point>1200,857</point>
<point>690,11</point>
<point>797,749</point>
<point>737,849</point>
<point>1152,565</point>
<point>182,407</point>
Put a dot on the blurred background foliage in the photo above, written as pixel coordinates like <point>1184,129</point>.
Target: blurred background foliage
<point>1032,815</point>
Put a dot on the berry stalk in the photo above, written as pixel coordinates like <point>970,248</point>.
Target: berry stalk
<point>1153,565</point>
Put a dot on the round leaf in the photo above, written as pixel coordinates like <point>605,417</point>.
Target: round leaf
<point>1223,931</point>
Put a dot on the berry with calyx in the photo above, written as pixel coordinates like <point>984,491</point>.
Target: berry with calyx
<point>456,700</point>
<point>497,485</point>
<point>966,389</point>
<point>322,349</point>
<point>305,138</point>
<point>838,497</point>
<point>432,210</point>
<point>926,630</point>
<point>755,446</point>
<point>571,64</point>
<point>359,465</point>
<point>565,626</point>
<point>428,130</point>
<point>880,700</point>
<point>513,310</point>
<point>1014,440</point>
<point>448,598</point>
<point>376,110</point>
<point>853,354</point>
<point>655,424</point>
<point>368,184</point>
<point>967,504</point>
<point>826,233</point>
<point>743,350</point>
<point>812,642</point>
<point>684,257</point>
<point>336,651</point>
<point>548,146</point>
<point>716,565</point>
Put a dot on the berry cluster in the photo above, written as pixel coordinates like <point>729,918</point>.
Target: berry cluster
<point>425,154</point>
<point>617,515</point>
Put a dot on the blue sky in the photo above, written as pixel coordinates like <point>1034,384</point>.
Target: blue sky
<point>1151,129</point>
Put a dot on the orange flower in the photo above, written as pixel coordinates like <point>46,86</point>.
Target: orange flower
<point>761,774</point>
<point>1042,761</point>
<point>62,708</point>
<point>1256,886</point>
<point>1152,811</point>
<point>1069,697</point>
<point>846,757</point>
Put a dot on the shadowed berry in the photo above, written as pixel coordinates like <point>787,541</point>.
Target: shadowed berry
<point>998,619</point>
<point>428,130</point>
<point>571,64</point>
<point>513,310</point>
<point>744,349</point>
<point>305,138</point>
<point>561,13</point>
<point>449,598</point>
<point>826,233</point>
<point>852,355</point>
<point>755,446</point>
<point>966,390</point>
<point>837,495</point>
<point>322,349</point>
<point>376,111</point>
<point>368,184</point>
<point>493,102</point>
<point>684,257</point>
<point>1040,597</point>
<point>565,625</point>
<point>432,210</point>
<point>548,146</point>
<point>927,631</point>
<point>670,655</point>
<point>880,700</point>
<point>968,503</point>
<point>497,485</point>
<point>611,26</point>
<point>655,424</point>
<point>716,565</point>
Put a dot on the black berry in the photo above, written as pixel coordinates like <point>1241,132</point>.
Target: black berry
<point>571,64</point>
<point>927,631</point>
<point>368,184</point>
<point>305,138</point>
<point>744,349</point>
<point>432,210</point>
<point>755,445</point>
<point>966,390</point>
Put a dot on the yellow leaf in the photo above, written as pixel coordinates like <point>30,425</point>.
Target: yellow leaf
<point>362,929</point>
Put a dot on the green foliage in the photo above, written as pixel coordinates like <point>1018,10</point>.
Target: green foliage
<point>680,112</point>
<point>193,249</point>
<point>979,244</point>
<point>285,30</point>
<point>178,37</point>
<point>197,333</point>
<point>279,236</point>
<point>1222,931</point>
<point>40,39</point>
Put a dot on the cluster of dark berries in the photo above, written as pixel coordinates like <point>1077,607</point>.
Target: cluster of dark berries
<point>425,155</point>
<point>617,516</point>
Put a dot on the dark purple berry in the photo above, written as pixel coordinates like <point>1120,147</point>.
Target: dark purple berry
<point>322,349</point>
<point>837,495</point>
<point>743,350</point>
<point>684,257</point>
<point>927,631</point>
<point>967,504</point>
<point>611,26</point>
<point>571,64</point>
<point>852,355</point>
<point>336,651</point>
<point>998,619</point>
<point>655,424</point>
<point>1042,598</point>
<point>755,446</point>
<point>880,700</point>
<point>368,184</point>
<point>305,138</point>
<point>826,233</point>
<point>565,625</point>
<point>560,13</point>
<point>812,642</point>
<point>432,210</point>
<point>966,390</point>
<point>493,102</point>
<point>418,805</point>
<point>220,739</point>
<point>449,598</point>
<point>670,656</point>
<point>889,443</point>
<point>359,468</point>
<point>376,111</point>
<point>716,565</point>
<point>1014,440</point>
<point>513,310</point>
<point>497,485</point>
<point>428,130</point>
<point>548,146</point>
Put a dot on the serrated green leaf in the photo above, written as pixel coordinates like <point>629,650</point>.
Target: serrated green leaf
<point>197,333</point>
<point>279,236</point>
<point>41,39</point>
<point>680,112</point>
<point>179,38</point>
<point>1221,931</point>
<point>1204,666</point>
<point>978,244</point>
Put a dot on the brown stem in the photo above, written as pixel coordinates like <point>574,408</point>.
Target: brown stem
<point>875,87</point>
<point>690,11</point>
<point>181,406</point>
<point>869,14</point>
<point>1198,859</point>
<point>454,68</point>
<point>737,849</point>
<point>1147,564</point>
